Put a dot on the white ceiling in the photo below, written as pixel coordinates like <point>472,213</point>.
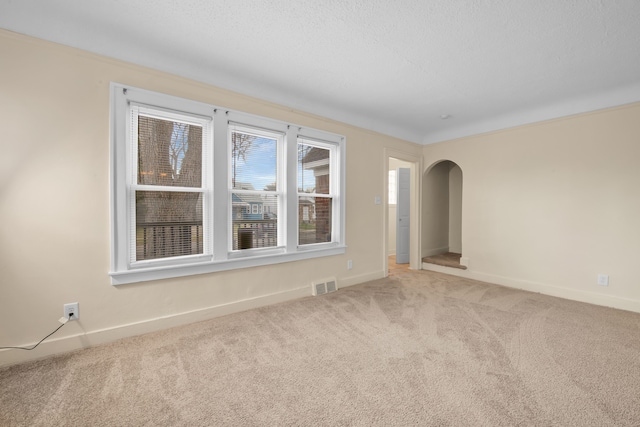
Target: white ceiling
<point>393,66</point>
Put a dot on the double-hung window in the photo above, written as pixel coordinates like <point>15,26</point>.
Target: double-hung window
<point>256,187</point>
<point>168,197</point>
<point>317,190</point>
<point>197,188</point>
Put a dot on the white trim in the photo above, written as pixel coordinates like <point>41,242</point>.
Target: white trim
<point>221,166</point>
<point>166,188</point>
<point>166,272</point>
<point>362,278</point>
<point>315,136</point>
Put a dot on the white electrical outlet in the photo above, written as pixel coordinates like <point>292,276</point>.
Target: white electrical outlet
<point>72,308</point>
<point>603,280</point>
<point>349,264</point>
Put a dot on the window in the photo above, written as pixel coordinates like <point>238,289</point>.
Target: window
<point>197,188</point>
<point>316,191</point>
<point>255,155</point>
<point>392,187</point>
<point>167,193</point>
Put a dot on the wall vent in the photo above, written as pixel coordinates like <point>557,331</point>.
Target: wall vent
<point>332,286</point>
<point>321,288</point>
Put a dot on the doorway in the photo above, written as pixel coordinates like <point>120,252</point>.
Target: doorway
<point>397,160</point>
<point>442,213</point>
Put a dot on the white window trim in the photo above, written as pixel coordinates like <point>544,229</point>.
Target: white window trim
<point>217,213</point>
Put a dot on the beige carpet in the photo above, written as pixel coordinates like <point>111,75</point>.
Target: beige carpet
<point>448,259</point>
<point>418,349</point>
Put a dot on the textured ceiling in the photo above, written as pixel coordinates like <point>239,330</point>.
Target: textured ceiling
<point>390,66</point>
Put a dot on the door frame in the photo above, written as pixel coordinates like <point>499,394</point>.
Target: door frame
<point>415,258</point>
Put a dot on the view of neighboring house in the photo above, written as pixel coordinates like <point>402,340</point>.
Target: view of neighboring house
<point>255,223</point>
<point>255,217</point>
<point>315,212</point>
<point>247,206</point>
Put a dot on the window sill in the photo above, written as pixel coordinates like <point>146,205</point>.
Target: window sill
<point>167,272</point>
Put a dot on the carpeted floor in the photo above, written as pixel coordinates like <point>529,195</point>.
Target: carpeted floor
<point>448,259</point>
<point>419,349</point>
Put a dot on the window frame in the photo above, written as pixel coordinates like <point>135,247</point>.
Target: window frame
<point>217,191</point>
<point>333,188</point>
<point>256,129</point>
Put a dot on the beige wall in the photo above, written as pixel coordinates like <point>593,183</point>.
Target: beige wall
<point>54,206</point>
<point>548,207</point>
<point>455,209</point>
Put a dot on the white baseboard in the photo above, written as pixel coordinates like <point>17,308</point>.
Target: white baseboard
<point>83,340</point>
<point>551,290</point>
<point>356,280</point>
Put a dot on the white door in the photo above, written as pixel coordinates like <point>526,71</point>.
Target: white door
<point>402,215</point>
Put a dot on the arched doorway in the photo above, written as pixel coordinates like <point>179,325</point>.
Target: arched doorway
<point>441,241</point>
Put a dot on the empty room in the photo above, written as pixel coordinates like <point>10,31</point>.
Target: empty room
<point>341,213</point>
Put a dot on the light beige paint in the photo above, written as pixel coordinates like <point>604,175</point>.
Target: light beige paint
<point>54,205</point>
<point>455,209</point>
<point>547,207</point>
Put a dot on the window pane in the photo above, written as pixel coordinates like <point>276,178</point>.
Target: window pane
<point>169,153</point>
<point>168,224</point>
<point>253,162</point>
<point>392,187</point>
<point>255,221</point>
<point>314,220</point>
<point>313,169</point>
